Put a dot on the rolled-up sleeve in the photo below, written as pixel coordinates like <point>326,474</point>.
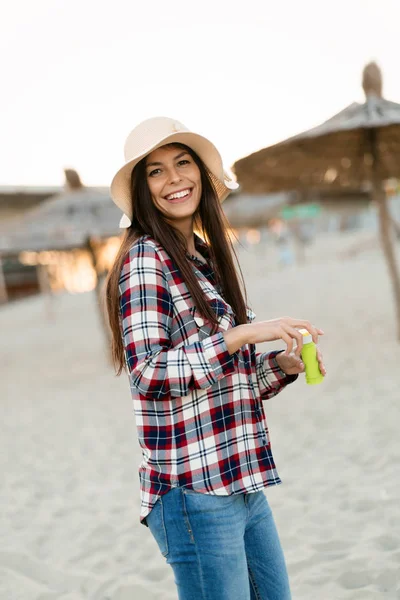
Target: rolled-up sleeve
<point>158,370</point>
<point>271,379</point>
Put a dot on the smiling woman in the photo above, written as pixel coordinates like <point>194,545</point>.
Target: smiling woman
<point>174,182</point>
<point>184,334</point>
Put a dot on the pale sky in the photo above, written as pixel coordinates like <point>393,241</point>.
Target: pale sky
<point>78,75</point>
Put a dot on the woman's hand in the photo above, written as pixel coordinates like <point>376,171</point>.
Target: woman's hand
<point>293,365</point>
<point>284,328</point>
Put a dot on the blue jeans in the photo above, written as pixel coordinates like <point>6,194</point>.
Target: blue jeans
<point>220,547</point>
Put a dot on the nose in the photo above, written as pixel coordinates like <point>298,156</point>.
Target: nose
<point>173,175</point>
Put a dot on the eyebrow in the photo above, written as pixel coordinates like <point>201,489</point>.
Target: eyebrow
<point>157,164</point>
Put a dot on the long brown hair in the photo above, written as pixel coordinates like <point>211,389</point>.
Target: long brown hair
<point>212,225</point>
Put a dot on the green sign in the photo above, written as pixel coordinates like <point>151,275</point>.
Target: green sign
<point>301,211</point>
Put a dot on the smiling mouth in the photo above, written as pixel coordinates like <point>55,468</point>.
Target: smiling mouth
<point>179,196</point>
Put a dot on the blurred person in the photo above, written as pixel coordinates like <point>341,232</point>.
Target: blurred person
<point>303,233</point>
<point>184,334</point>
<point>281,234</point>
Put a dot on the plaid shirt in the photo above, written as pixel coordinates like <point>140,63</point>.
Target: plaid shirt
<point>198,409</point>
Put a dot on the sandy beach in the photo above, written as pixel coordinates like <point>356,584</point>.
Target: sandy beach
<point>69,491</point>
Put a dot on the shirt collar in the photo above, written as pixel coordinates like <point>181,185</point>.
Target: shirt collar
<point>202,247</point>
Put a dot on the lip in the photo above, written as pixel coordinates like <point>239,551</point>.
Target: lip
<point>180,200</point>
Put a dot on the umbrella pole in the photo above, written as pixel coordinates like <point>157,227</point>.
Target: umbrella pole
<point>385,229</point>
<point>3,286</point>
<point>385,223</point>
<point>45,290</point>
<point>90,246</point>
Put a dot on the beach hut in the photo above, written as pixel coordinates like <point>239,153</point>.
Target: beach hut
<point>254,210</point>
<point>77,220</point>
<point>15,200</point>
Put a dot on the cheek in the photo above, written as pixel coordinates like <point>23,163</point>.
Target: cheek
<point>152,187</point>
<point>200,189</point>
<point>195,177</point>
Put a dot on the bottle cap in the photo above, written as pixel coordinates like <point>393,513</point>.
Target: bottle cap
<point>307,337</point>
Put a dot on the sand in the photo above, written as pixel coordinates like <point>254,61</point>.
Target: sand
<point>69,494</point>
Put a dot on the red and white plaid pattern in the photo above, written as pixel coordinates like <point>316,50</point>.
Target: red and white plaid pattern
<point>198,409</point>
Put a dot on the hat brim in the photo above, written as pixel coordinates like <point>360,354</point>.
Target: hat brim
<point>120,188</point>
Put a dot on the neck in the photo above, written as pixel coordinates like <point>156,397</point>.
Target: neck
<point>190,244</point>
<point>187,230</point>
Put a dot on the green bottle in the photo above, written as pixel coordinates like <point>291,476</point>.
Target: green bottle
<point>309,358</point>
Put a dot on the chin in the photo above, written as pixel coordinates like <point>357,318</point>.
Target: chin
<point>183,217</point>
<point>182,213</point>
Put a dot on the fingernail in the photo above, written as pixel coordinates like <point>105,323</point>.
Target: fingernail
<point>301,365</point>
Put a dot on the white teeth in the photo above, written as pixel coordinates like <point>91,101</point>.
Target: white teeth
<point>181,194</point>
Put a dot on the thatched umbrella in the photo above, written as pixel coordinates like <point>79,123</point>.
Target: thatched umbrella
<point>359,146</point>
<point>64,221</point>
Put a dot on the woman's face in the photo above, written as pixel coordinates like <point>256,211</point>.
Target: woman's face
<point>174,181</point>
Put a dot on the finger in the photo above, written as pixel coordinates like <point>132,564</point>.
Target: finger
<point>322,368</point>
<point>302,324</point>
<point>288,341</point>
<point>292,364</point>
<point>297,366</point>
<point>313,331</point>
<point>295,334</point>
<point>321,363</point>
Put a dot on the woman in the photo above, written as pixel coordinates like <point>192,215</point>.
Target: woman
<point>182,330</point>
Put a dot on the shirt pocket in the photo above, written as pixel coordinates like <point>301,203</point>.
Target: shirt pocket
<point>225,318</point>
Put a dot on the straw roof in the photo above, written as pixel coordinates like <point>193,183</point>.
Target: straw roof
<point>361,141</point>
<point>64,221</point>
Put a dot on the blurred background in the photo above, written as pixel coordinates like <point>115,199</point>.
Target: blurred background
<point>303,102</point>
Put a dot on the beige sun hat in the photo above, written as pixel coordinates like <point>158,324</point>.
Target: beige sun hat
<point>154,133</point>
